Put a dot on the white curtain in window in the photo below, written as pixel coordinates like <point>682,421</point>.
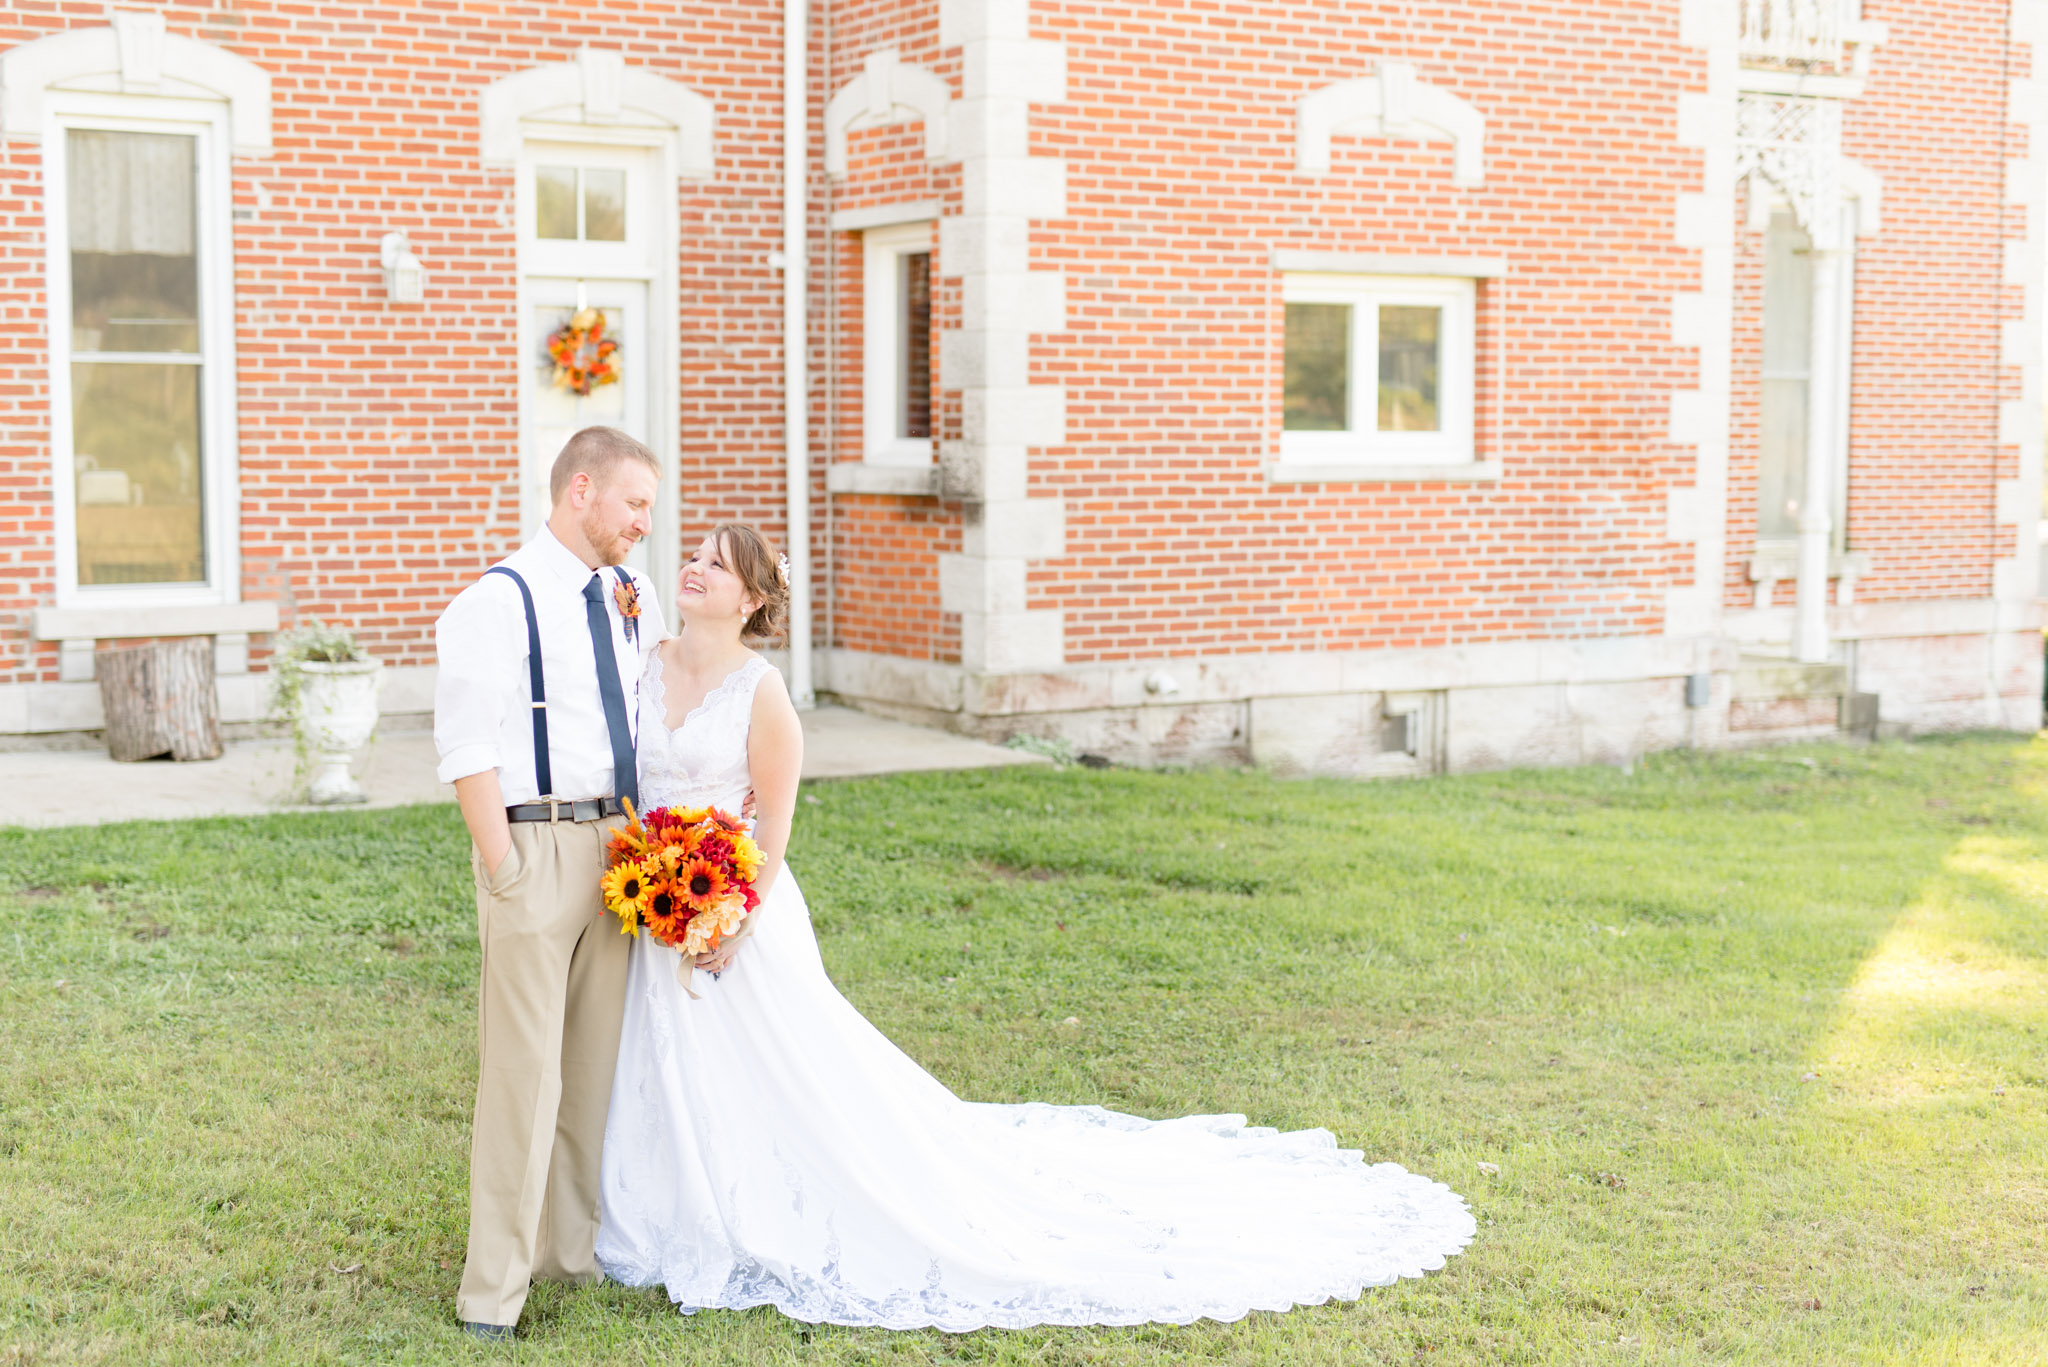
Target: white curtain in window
<point>131,192</point>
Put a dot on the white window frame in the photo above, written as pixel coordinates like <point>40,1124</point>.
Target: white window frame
<point>220,499</point>
<point>882,368</point>
<point>1773,202</point>
<point>1364,446</point>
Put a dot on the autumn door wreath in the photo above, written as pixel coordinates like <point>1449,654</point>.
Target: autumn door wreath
<point>584,357</point>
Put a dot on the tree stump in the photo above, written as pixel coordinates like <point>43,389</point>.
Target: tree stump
<point>160,699</point>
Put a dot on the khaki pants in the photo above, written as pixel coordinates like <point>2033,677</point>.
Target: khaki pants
<point>553,985</point>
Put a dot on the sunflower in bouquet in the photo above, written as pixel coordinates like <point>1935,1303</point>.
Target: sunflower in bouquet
<point>684,874</point>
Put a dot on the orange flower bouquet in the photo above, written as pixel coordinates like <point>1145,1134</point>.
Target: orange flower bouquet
<point>685,874</point>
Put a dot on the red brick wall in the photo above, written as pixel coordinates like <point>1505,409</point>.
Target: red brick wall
<point>27,512</point>
<point>374,488</point>
<point>1926,374</point>
<point>1179,136</point>
<point>379,443</point>
<point>1929,299</point>
<point>885,591</point>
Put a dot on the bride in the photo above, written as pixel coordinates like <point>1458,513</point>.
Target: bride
<point>767,1146</point>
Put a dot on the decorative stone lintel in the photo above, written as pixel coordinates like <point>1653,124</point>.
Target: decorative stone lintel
<point>135,55</point>
<point>889,90</point>
<point>1390,103</point>
<point>598,87</point>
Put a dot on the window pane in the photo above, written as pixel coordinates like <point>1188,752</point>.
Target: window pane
<point>604,206</point>
<point>1781,458</point>
<point>1788,354</point>
<point>134,269</point>
<point>1410,341</point>
<point>1315,394</point>
<point>135,429</point>
<point>554,200</point>
<point>914,287</point>
<point>1788,299</point>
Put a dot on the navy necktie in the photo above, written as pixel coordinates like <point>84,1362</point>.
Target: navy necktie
<point>625,779</point>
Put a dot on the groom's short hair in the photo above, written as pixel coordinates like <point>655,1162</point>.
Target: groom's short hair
<point>597,452</point>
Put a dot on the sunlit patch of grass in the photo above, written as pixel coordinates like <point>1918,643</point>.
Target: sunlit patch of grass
<point>1939,1006</point>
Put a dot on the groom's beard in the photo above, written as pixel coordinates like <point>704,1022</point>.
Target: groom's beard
<point>611,546</point>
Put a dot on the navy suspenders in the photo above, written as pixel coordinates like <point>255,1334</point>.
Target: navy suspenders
<point>543,774</point>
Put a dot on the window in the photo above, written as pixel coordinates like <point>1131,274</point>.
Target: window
<point>580,204</point>
<point>1787,384</point>
<point>141,384</point>
<point>1377,369</point>
<point>896,320</point>
<point>1787,372</point>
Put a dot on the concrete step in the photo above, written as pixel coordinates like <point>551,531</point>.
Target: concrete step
<point>1776,698</point>
<point>1763,677</point>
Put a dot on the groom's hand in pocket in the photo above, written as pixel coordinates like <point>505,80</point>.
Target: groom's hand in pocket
<point>483,811</point>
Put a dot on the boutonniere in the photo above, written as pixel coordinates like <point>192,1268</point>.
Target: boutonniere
<point>627,596</point>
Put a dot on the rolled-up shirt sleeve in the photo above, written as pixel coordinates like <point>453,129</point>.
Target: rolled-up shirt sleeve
<point>480,648</point>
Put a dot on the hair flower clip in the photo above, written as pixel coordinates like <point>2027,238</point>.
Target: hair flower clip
<point>782,569</point>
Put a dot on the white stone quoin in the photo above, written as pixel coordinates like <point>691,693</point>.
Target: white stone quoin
<point>1004,302</point>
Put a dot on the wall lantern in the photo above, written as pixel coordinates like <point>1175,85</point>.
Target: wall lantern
<point>405,280</point>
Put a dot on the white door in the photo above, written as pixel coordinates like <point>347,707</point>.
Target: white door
<point>554,414</point>
<point>586,239</point>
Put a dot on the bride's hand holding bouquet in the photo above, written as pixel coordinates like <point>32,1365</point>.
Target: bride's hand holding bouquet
<point>685,875</point>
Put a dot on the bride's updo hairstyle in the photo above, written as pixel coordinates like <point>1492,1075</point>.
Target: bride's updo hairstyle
<point>761,573</point>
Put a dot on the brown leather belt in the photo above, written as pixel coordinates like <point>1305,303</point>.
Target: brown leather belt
<point>591,809</point>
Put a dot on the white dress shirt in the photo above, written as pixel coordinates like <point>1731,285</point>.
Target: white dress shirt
<point>483,695</point>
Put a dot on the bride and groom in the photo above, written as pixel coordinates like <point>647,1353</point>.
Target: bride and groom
<point>752,1139</point>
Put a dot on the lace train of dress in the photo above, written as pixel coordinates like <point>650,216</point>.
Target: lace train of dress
<point>768,1146</point>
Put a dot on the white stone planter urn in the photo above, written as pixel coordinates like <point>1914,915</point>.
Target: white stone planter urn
<point>337,713</point>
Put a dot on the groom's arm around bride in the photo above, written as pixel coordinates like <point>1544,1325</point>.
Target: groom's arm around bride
<point>539,663</point>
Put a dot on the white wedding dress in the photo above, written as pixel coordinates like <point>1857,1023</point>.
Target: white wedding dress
<point>767,1146</point>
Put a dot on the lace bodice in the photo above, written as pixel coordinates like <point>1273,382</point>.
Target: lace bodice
<point>703,762</point>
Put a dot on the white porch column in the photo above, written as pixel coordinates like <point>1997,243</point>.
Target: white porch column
<point>1823,389</point>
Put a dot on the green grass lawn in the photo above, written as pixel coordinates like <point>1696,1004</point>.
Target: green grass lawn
<point>1756,1044</point>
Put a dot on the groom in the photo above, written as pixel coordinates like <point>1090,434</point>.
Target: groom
<point>534,709</point>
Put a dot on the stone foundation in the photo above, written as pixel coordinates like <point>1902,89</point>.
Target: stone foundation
<point>1410,713</point>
